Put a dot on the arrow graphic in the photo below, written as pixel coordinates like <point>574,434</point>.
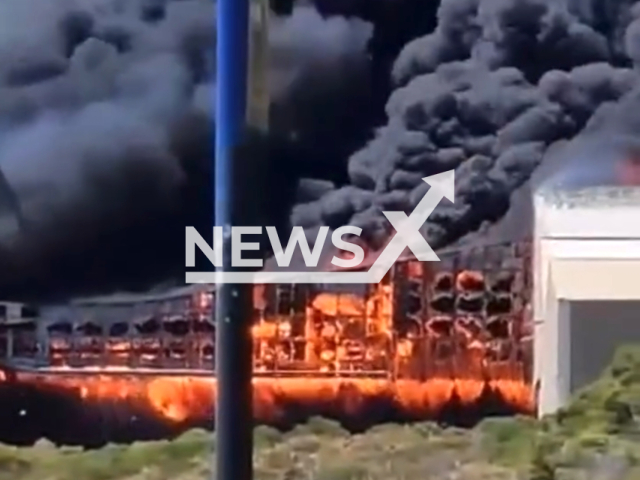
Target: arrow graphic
<point>408,227</point>
<point>407,236</point>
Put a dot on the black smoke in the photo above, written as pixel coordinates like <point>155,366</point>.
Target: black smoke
<point>106,133</point>
<point>486,93</point>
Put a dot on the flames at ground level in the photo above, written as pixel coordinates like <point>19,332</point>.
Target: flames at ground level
<point>95,410</point>
<point>465,327</point>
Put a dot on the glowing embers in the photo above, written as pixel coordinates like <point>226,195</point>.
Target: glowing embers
<point>471,293</point>
<point>465,320</point>
<point>324,333</point>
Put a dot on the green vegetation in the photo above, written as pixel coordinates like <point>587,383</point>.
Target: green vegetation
<point>597,436</point>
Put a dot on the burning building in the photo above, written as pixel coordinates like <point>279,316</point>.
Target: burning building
<point>422,338</point>
<point>417,323</point>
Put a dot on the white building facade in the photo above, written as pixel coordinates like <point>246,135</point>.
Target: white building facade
<point>586,286</point>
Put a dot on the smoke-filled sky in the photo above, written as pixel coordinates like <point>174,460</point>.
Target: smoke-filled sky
<point>106,121</point>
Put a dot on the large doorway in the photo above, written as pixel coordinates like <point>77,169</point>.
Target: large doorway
<point>596,330</point>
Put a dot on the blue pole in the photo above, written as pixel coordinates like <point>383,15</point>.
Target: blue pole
<point>233,415</point>
<point>232,58</point>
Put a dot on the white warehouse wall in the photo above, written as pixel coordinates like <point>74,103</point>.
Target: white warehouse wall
<point>586,250</point>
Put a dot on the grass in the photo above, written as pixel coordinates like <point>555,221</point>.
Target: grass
<point>597,436</point>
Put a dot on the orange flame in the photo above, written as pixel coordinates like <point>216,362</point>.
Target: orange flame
<point>342,335</point>
<point>191,399</point>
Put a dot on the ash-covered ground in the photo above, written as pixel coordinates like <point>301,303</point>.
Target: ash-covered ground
<point>106,123</point>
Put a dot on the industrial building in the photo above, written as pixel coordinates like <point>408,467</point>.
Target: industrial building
<point>586,291</point>
<point>462,318</point>
<point>547,312</point>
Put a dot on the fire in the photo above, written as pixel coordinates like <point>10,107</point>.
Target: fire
<point>457,338</point>
<point>192,399</point>
<point>333,305</point>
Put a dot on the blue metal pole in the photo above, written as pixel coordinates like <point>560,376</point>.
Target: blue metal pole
<point>233,415</point>
<point>231,96</point>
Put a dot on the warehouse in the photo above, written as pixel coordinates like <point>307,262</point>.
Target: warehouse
<point>586,293</point>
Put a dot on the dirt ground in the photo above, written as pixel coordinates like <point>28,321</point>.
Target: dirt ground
<point>596,438</point>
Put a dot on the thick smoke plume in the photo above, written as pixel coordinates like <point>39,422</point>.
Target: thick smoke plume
<point>106,132</point>
<point>487,93</point>
<point>105,112</point>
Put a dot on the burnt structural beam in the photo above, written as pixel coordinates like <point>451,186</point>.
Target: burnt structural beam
<point>233,415</point>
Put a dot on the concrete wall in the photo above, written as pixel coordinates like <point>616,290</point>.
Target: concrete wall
<point>590,307</point>
<point>586,294</point>
<point>596,329</point>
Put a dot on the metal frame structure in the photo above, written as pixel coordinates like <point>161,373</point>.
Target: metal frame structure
<point>471,313</point>
<point>464,316</point>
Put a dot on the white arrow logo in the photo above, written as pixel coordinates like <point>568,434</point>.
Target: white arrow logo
<point>407,236</point>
